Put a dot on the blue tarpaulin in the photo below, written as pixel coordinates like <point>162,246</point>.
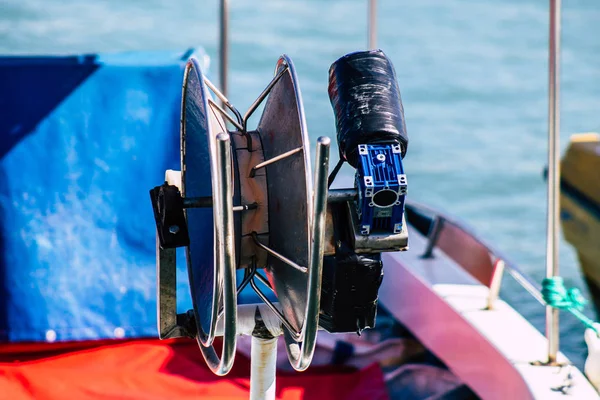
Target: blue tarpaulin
<point>83,139</point>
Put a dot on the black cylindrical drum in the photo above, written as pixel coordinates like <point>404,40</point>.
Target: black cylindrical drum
<point>366,101</point>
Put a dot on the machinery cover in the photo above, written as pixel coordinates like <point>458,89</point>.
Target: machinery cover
<point>82,138</point>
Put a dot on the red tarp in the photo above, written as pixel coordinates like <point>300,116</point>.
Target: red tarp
<point>152,369</point>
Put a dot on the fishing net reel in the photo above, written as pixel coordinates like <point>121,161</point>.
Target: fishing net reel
<point>245,199</point>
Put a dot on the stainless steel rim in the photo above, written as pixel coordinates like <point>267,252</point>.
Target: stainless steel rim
<point>300,354</point>
<point>225,261</point>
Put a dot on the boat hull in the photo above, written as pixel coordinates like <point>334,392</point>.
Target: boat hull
<point>580,205</point>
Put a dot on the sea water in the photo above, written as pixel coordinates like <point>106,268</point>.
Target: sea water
<point>473,77</point>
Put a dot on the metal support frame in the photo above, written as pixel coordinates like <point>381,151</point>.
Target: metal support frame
<point>333,196</point>
<point>277,255</point>
<point>224,100</point>
<point>206,202</point>
<point>261,97</point>
<point>225,114</point>
<point>240,122</point>
<point>263,359</point>
<point>290,329</point>
<point>341,195</point>
<point>263,368</point>
<point>167,293</point>
<point>273,160</point>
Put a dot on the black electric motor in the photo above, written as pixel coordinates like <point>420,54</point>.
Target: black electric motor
<point>366,101</point>
<point>369,118</point>
<point>350,282</point>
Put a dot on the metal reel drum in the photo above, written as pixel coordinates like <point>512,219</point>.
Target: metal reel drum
<point>210,258</point>
<point>296,225</point>
<point>280,226</point>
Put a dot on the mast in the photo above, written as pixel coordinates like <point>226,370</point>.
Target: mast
<point>224,46</point>
<point>552,234</point>
<point>372,24</point>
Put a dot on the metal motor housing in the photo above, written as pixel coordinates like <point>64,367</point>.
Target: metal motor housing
<point>382,187</point>
<point>372,138</point>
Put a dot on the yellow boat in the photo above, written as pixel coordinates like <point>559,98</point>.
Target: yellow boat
<point>580,205</point>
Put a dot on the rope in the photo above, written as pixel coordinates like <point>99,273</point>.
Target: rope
<point>556,295</point>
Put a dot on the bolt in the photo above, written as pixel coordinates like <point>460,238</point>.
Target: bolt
<point>174,229</point>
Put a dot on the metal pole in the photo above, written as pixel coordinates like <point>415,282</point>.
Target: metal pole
<point>552,262</point>
<point>224,46</point>
<point>341,195</point>
<point>372,24</point>
<point>277,255</point>
<point>273,160</point>
<point>263,366</point>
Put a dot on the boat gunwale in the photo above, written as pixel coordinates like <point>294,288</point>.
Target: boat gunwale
<point>521,277</point>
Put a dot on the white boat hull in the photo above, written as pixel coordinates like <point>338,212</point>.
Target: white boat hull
<point>496,352</point>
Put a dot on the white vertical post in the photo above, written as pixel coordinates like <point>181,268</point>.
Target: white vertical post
<point>263,366</point>
<point>372,24</point>
<point>552,234</point>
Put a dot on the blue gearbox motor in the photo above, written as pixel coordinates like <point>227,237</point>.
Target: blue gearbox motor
<point>382,186</point>
<point>372,138</point>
